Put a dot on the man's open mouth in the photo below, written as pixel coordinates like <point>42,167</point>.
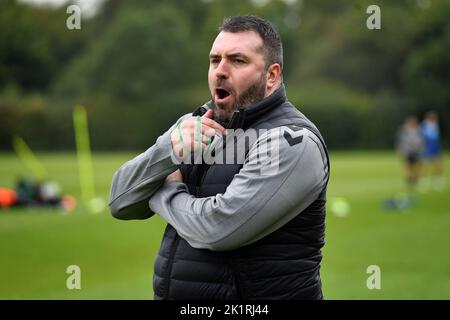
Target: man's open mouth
<point>222,93</point>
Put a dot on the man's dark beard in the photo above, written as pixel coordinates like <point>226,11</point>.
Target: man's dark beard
<point>251,95</point>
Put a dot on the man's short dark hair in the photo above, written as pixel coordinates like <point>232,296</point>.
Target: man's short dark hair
<point>272,46</point>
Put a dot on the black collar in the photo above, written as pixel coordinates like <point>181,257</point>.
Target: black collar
<point>244,117</point>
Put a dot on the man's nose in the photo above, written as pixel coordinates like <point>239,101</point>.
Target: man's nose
<point>222,70</point>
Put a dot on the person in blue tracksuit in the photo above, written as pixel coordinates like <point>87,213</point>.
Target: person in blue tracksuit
<point>432,153</point>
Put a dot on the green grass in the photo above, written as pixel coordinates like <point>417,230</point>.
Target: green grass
<point>116,257</point>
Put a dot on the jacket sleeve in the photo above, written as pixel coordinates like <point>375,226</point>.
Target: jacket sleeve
<point>261,198</point>
<point>135,181</point>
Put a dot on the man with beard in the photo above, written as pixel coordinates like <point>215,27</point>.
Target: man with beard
<point>235,230</point>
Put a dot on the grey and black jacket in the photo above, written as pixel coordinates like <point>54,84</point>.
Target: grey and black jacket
<point>251,230</point>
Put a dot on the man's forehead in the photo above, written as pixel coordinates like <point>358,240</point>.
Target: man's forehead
<point>237,42</point>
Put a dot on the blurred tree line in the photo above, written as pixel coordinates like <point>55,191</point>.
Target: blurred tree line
<point>138,65</point>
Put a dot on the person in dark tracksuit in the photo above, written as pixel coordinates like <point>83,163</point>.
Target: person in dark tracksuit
<point>247,228</point>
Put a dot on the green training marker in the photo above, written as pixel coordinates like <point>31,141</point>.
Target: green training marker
<point>29,159</point>
<point>85,161</point>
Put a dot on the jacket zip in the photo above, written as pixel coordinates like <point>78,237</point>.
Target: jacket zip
<point>170,263</point>
<point>237,121</point>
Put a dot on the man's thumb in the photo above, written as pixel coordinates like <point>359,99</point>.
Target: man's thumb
<point>209,114</point>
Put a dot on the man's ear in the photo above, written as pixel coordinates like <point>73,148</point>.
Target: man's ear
<point>273,76</point>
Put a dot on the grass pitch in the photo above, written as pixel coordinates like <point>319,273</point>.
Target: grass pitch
<point>116,257</point>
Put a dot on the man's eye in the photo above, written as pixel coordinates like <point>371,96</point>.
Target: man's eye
<point>214,61</point>
<point>239,61</point>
